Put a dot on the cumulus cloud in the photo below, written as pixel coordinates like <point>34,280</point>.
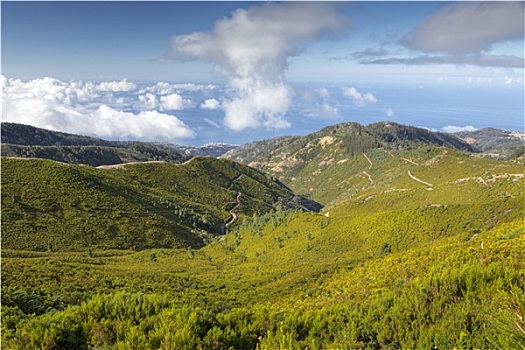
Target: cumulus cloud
<point>147,102</point>
<point>88,109</point>
<point>454,128</point>
<point>359,99</point>
<point>174,102</point>
<point>390,113</point>
<point>210,104</point>
<point>252,48</point>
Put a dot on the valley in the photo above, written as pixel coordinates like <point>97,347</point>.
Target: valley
<point>354,237</point>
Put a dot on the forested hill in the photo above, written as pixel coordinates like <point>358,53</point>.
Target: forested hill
<point>134,206</point>
<point>21,134</point>
<point>354,139</point>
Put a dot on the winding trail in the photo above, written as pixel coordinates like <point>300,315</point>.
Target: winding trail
<point>233,217</point>
<point>369,178</point>
<point>121,165</point>
<point>369,161</point>
<point>419,180</point>
<point>408,160</point>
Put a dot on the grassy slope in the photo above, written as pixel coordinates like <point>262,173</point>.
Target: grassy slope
<point>49,205</point>
<point>334,164</point>
<point>410,268</point>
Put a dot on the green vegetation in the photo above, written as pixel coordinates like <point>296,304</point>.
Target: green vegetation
<point>419,247</point>
<point>57,207</point>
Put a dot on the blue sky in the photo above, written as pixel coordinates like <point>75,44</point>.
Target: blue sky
<point>258,69</point>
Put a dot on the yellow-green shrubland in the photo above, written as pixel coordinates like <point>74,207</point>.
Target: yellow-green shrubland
<point>391,263</point>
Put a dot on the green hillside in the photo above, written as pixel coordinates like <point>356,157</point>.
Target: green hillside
<point>447,277</point>
<point>345,163</point>
<point>420,246</point>
<point>49,205</point>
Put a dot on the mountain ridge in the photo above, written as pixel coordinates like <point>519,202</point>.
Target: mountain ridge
<point>19,140</point>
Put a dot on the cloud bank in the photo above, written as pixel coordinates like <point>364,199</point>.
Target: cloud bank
<point>252,48</point>
<point>90,109</point>
<point>461,33</point>
<point>468,28</point>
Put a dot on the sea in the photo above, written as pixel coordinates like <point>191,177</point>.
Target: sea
<point>437,107</point>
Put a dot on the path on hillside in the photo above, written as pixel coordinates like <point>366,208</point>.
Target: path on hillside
<point>419,180</point>
<point>121,165</point>
<point>369,161</point>
<point>233,216</point>
<point>369,179</point>
<point>408,160</point>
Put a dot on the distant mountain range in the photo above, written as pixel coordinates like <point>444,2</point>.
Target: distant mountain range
<point>26,141</point>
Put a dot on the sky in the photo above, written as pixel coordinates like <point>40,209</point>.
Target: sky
<point>198,72</point>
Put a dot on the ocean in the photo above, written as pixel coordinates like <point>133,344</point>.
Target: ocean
<point>438,107</point>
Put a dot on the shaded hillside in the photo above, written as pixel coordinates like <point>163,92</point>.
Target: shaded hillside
<point>20,134</point>
<point>29,142</point>
<point>49,205</point>
<point>95,155</point>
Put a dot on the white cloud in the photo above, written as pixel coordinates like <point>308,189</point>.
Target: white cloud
<point>174,102</point>
<point>210,104</point>
<point>468,27</point>
<point>454,128</point>
<point>252,48</point>
<point>162,88</point>
<point>147,102</point>
<point>116,86</point>
<point>390,113</point>
<point>82,108</point>
<point>513,80</point>
<point>323,93</point>
<point>359,99</point>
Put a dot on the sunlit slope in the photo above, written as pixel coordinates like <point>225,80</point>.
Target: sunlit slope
<point>383,178</point>
<point>274,285</point>
<point>49,205</point>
